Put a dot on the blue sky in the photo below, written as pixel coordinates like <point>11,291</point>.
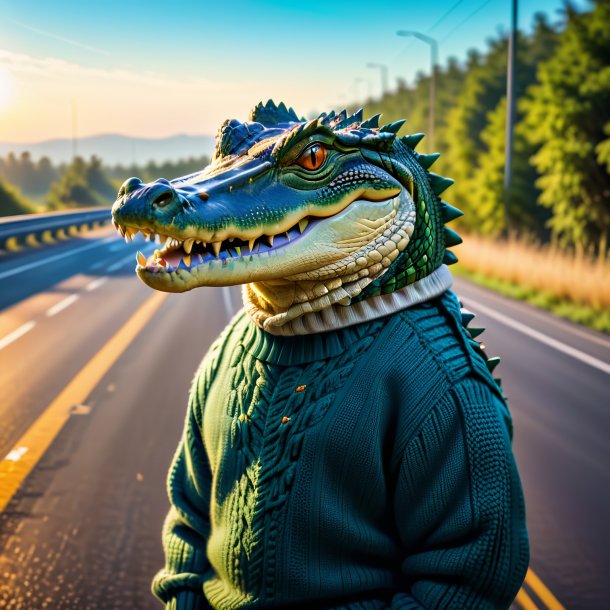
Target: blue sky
<point>164,67</point>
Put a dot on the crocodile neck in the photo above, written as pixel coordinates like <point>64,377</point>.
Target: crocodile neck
<point>337,316</point>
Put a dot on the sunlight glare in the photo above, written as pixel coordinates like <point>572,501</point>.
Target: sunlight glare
<point>6,88</point>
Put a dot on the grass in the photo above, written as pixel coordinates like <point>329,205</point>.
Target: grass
<point>569,284</point>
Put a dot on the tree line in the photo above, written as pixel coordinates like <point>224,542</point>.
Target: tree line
<point>560,188</point>
<point>27,185</point>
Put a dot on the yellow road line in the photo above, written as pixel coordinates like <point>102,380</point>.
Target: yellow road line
<point>37,439</point>
<point>540,589</point>
<point>524,601</point>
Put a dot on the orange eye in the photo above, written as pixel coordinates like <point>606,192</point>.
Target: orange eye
<point>312,157</point>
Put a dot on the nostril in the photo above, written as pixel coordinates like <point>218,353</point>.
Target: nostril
<point>130,185</point>
<point>163,198</point>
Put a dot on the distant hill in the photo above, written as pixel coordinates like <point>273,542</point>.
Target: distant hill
<point>114,148</point>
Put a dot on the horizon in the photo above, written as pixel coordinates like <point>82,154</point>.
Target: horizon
<point>101,75</point>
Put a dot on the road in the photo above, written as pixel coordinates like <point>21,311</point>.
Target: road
<point>82,530</point>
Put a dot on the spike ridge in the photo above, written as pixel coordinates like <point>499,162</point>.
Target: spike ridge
<point>472,333</point>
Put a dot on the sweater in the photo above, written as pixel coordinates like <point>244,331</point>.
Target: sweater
<point>368,467</point>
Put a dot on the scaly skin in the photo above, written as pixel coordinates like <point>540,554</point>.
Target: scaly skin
<point>306,214</point>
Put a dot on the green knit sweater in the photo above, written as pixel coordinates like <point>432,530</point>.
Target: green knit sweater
<point>364,468</point>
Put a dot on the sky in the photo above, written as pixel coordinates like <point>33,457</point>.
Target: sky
<point>153,68</point>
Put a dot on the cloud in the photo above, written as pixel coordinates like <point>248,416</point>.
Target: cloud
<point>69,41</point>
<point>53,68</point>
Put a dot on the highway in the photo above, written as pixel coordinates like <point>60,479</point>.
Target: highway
<point>94,374</point>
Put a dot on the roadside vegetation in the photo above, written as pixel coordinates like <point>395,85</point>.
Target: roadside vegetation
<point>11,201</point>
<point>567,282</point>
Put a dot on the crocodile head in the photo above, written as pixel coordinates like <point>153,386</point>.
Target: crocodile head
<point>306,213</point>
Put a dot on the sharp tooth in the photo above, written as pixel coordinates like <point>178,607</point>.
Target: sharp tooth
<point>187,260</point>
<point>157,253</point>
<point>216,247</point>
<point>141,259</point>
<point>116,224</point>
<point>251,244</point>
<point>287,236</point>
<point>127,238</point>
<point>303,224</point>
<point>122,230</point>
<point>132,231</point>
<point>270,239</point>
<point>238,250</point>
<point>162,262</point>
<point>188,245</point>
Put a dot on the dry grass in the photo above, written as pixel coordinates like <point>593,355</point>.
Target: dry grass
<point>570,284</point>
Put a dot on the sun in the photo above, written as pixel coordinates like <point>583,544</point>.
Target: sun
<point>6,88</point>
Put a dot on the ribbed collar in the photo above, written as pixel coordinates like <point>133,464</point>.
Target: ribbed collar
<point>333,332</point>
<point>301,349</point>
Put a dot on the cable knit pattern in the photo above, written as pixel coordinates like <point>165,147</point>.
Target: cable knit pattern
<point>364,468</point>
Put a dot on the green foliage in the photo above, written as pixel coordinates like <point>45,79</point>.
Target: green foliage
<point>32,179</point>
<point>476,138</point>
<point>82,184</point>
<point>11,202</point>
<point>568,118</point>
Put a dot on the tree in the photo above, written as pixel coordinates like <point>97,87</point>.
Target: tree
<point>72,189</point>
<point>11,202</point>
<point>568,116</point>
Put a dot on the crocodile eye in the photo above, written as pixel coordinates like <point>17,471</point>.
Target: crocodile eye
<point>312,157</point>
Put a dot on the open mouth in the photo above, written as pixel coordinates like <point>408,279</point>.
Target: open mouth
<point>187,254</point>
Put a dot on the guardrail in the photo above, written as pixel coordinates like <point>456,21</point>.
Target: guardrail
<point>36,230</point>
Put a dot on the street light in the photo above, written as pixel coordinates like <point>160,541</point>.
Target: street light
<point>510,113</point>
<point>433,64</point>
<point>384,75</point>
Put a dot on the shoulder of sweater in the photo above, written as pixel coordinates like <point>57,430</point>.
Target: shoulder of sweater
<point>429,351</point>
<point>433,331</point>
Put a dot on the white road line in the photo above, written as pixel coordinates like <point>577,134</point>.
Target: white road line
<point>96,283</point>
<point>16,454</point>
<point>98,265</point>
<point>52,259</point>
<point>18,332</point>
<point>52,311</point>
<point>121,263</point>
<point>564,324</point>
<point>534,334</point>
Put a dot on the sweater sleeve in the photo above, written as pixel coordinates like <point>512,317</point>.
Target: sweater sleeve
<point>459,506</point>
<point>185,532</point>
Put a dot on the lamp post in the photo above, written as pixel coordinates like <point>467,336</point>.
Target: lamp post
<point>510,112</point>
<point>433,65</point>
<point>383,69</point>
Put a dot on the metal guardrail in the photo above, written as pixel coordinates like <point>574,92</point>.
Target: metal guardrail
<point>36,230</point>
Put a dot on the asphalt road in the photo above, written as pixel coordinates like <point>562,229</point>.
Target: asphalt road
<point>83,530</point>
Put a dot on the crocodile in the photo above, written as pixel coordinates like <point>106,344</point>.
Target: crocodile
<point>346,445</point>
<point>308,214</point>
